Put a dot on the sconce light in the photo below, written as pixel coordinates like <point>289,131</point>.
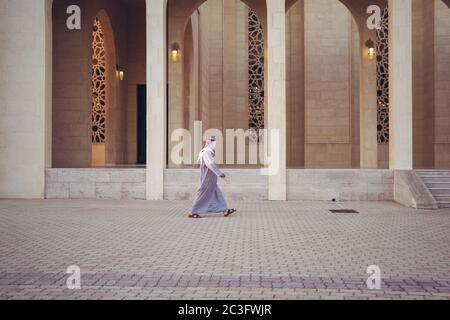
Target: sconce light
<point>120,74</point>
<point>371,47</point>
<point>175,52</point>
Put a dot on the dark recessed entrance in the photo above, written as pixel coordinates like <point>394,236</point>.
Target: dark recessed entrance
<point>141,124</point>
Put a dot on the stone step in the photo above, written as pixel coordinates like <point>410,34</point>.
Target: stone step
<point>441,177</point>
<point>438,191</point>
<point>433,171</point>
<point>442,198</point>
<point>434,175</point>
<point>436,180</point>
<point>437,185</point>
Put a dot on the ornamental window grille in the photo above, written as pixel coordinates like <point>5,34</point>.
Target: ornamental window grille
<point>98,83</point>
<point>255,72</point>
<point>382,48</point>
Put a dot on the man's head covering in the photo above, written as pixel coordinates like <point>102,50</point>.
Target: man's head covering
<point>209,146</point>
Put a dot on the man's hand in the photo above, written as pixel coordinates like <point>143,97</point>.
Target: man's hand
<point>222,175</point>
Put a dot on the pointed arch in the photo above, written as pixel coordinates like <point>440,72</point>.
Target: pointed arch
<point>256,5</point>
<point>447,2</point>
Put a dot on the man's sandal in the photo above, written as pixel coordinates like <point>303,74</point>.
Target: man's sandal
<point>229,212</point>
<point>194,216</point>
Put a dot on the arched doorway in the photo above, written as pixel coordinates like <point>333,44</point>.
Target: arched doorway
<point>97,71</point>
<point>218,79</point>
<point>323,74</point>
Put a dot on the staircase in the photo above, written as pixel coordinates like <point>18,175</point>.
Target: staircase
<point>438,182</point>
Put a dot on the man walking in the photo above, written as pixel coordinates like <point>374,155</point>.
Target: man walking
<point>209,197</point>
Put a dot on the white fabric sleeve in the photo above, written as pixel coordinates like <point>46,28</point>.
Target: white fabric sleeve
<point>211,163</point>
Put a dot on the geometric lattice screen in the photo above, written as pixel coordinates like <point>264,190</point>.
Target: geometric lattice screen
<point>98,84</point>
<point>382,48</point>
<point>255,71</point>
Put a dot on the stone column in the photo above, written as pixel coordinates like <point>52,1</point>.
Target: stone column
<point>176,71</point>
<point>26,93</point>
<point>368,110</point>
<point>400,85</point>
<point>156,98</point>
<point>276,94</point>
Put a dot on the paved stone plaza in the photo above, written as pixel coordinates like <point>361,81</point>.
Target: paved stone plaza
<point>270,250</point>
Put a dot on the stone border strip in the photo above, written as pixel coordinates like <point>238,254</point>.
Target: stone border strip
<point>209,281</point>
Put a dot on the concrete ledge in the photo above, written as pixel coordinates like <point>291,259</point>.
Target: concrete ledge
<point>245,184</point>
<point>318,185</point>
<point>95,183</point>
<point>410,191</point>
<point>342,185</point>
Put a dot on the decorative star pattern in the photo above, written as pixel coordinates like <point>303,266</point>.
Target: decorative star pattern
<point>98,84</point>
<point>382,47</point>
<point>255,71</point>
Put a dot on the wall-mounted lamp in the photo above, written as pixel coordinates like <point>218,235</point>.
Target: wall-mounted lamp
<point>120,74</point>
<point>175,52</point>
<point>371,47</point>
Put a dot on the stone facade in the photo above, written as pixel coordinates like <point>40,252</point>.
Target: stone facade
<point>340,185</point>
<point>25,91</point>
<point>118,184</point>
<point>318,84</point>
<point>328,83</point>
<point>242,185</point>
<point>442,85</point>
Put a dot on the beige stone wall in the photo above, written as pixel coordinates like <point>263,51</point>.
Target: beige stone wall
<point>193,85</point>
<point>383,155</point>
<point>431,84</point>
<point>212,26</point>
<point>295,85</point>
<point>220,94</point>
<point>442,85</point>
<point>189,72</point>
<point>204,73</point>
<point>355,95</point>
<point>220,29</point>
<point>71,90</point>
<point>178,15</point>
<point>25,91</point>
<point>328,80</point>
<point>222,58</point>
<point>116,137</point>
<point>316,152</point>
<point>423,83</point>
<point>215,66</point>
<point>235,63</point>
<point>427,155</point>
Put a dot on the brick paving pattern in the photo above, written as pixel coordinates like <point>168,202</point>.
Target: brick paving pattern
<point>270,250</point>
